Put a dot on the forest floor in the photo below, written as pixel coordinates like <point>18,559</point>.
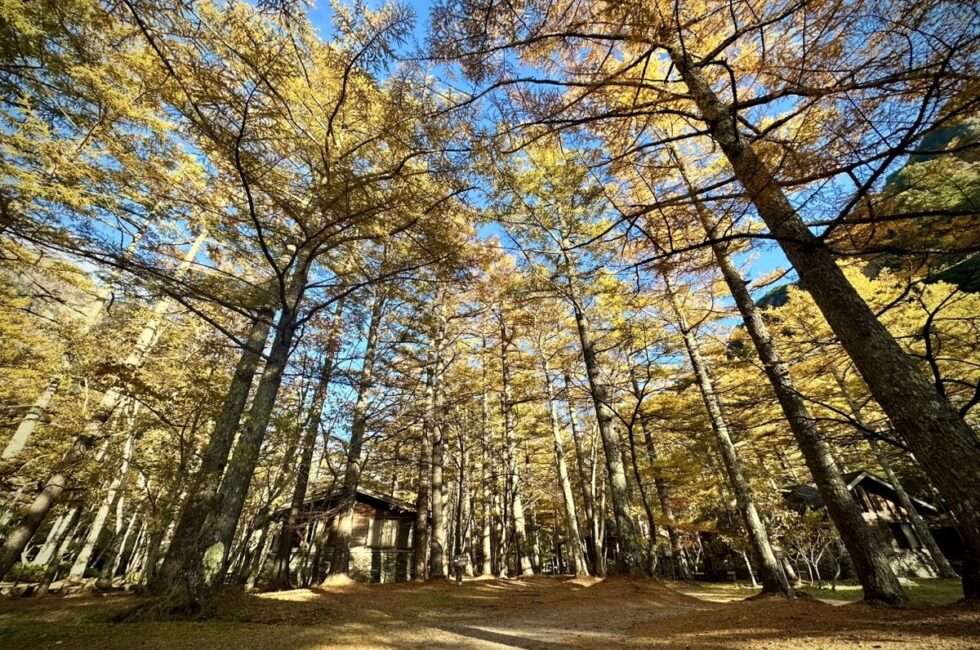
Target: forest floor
<point>529,613</point>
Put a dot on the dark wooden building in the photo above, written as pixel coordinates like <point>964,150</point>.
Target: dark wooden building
<point>381,538</point>
<point>881,508</point>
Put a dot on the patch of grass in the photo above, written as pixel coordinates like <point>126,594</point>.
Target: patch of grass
<point>719,592</point>
<point>920,591</point>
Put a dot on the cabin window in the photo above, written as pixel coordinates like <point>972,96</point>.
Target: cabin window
<point>361,530</point>
<point>384,533</point>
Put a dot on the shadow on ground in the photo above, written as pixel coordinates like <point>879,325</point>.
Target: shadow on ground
<point>544,613</point>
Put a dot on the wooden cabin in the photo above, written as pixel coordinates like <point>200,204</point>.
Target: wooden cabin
<point>881,508</point>
<point>381,539</point>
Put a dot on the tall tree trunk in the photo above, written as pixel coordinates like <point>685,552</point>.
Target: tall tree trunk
<point>579,564</point>
<point>340,565</point>
<point>947,447</point>
<point>52,561</point>
<point>748,567</point>
<point>639,421</point>
<point>241,467</point>
<point>151,556</point>
<point>588,491</point>
<point>58,529</point>
<point>502,504</point>
<point>431,538</point>
<point>252,570</point>
<point>868,552</point>
<point>284,549</point>
<point>535,543</point>
<point>438,557</point>
<point>28,424</point>
<point>647,508</point>
<point>486,523</point>
<point>420,534</point>
<point>243,552</point>
<point>128,545</point>
<point>631,555</point>
<point>464,514</point>
<point>601,504</point>
<point>110,559</point>
<point>55,486</point>
<point>486,566</point>
<point>603,510</point>
<point>773,578</point>
<point>678,556</point>
<point>65,549</point>
<point>516,502</point>
<point>202,497</point>
<point>497,528</point>
<point>78,567</point>
<point>203,562</point>
<point>943,567</point>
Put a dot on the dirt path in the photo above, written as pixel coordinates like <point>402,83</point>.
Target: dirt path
<point>537,613</point>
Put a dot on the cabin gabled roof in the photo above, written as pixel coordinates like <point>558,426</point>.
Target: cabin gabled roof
<point>326,500</point>
<point>808,495</point>
<point>865,477</point>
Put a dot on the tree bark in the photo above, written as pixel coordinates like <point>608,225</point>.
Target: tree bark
<point>68,543</point>
<point>130,540</point>
<point>78,567</point>
<point>203,494</point>
<point>111,557</point>
<point>678,555</point>
<point>438,557</point>
<point>284,549</point>
<point>253,569</point>
<point>463,513</point>
<point>154,542</point>
<point>868,552</point>
<point>420,534</point>
<point>486,566</point>
<point>520,549</point>
<point>631,556</point>
<point>238,475</point>
<point>203,562</point>
<point>773,578</point>
<point>644,498</point>
<point>498,526</point>
<point>639,421</point>
<point>58,529</point>
<point>588,485</point>
<point>579,564</point>
<point>943,567</point>
<point>944,443</point>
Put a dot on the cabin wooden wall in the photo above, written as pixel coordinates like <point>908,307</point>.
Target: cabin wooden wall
<point>381,544</point>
